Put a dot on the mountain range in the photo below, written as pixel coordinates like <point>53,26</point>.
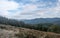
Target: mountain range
<point>42,20</point>
<point>32,21</point>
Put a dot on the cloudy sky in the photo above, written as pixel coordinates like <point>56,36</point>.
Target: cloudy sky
<point>30,9</point>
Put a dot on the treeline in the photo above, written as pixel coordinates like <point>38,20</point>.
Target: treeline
<point>48,27</point>
<point>12,22</point>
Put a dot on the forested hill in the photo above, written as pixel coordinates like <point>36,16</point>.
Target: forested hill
<point>48,25</point>
<point>32,21</point>
<point>12,22</point>
<point>19,23</point>
<point>43,20</point>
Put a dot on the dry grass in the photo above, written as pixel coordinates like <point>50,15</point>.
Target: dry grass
<point>30,33</point>
<point>7,31</point>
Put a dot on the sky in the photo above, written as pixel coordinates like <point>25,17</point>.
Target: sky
<point>30,9</point>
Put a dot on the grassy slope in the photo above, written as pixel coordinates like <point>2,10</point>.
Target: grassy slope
<point>7,31</point>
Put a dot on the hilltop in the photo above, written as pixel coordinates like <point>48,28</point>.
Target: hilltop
<point>8,31</point>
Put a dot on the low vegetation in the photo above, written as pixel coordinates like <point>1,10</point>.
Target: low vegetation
<point>19,32</point>
<point>30,33</point>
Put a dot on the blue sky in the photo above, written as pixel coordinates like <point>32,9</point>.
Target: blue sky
<point>30,9</point>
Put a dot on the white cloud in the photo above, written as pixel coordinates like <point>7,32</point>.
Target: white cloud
<point>3,13</point>
<point>29,7</point>
<point>50,12</point>
<point>29,11</point>
<point>6,5</point>
<point>40,13</point>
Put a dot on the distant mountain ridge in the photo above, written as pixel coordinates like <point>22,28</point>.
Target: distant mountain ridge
<point>4,20</point>
<point>43,20</point>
